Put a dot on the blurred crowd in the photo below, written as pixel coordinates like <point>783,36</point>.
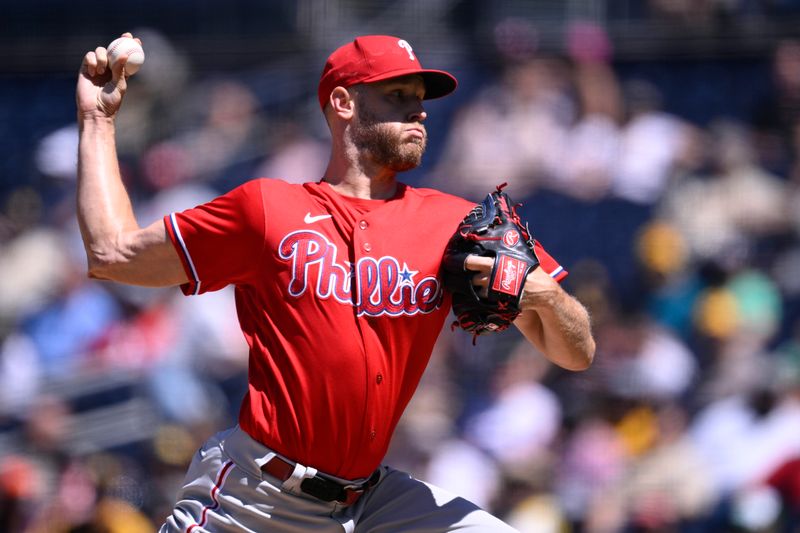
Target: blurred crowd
<point>682,239</point>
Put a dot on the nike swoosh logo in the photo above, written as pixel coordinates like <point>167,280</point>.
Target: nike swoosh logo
<point>309,219</point>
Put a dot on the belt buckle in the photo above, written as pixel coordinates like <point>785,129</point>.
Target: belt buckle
<point>328,490</point>
<point>323,489</point>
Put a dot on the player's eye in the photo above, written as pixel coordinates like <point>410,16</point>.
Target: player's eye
<point>405,94</point>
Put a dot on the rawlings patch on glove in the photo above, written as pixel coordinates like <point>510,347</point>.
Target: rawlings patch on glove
<point>491,229</point>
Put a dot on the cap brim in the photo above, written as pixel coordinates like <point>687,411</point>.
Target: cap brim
<point>438,83</point>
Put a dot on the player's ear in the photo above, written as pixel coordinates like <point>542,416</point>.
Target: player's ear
<point>342,102</point>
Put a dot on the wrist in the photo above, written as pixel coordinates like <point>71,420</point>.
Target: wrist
<point>540,292</point>
<point>95,118</point>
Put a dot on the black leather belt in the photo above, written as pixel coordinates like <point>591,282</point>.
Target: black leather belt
<point>319,487</point>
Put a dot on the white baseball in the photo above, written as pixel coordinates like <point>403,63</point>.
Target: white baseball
<point>126,46</point>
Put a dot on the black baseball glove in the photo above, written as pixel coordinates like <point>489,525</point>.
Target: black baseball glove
<point>491,229</point>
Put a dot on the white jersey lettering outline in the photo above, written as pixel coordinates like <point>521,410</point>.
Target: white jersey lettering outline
<point>382,286</point>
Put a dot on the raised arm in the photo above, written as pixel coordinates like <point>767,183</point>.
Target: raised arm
<point>116,247</point>
<point>552,320</point>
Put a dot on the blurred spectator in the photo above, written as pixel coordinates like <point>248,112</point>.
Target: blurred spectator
<point>668,485</point>
<point>524,416</point>
<point>591,146</point>
<point>593,460</point>
<point>643,361</point>
<point>746,436</point>
<point>296,157</point>
<point>222,151</point>
<point>33,268</point>
<point>510,132</point>
<point>718,213</point>
<point>652,144</point>
<point>538,513</point>
<point>164,94</point>
<point>57,153</point>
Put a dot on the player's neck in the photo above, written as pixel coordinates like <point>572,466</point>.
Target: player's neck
<point>364,188</point>
<point>360,180</point>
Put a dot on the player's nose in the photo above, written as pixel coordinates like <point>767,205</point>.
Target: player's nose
<point>418,114</point>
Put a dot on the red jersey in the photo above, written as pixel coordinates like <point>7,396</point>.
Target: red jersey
<point>340,301</point>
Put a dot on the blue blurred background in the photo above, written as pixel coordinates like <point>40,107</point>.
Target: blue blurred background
<point>653,144</point>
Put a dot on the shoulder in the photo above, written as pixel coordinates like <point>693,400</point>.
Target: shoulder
<point>260,195</point>
<point>275,190</point>
<point>274,184</point>
<point>439,199</point>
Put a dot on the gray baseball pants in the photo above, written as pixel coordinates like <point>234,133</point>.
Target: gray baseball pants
<point>226,491</point>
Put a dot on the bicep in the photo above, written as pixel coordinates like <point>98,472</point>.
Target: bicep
<point>144,257</point>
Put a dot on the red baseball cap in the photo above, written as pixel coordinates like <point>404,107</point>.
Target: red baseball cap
<point>379,57</point>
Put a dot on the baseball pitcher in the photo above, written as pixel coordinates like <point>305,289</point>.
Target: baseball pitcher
<point>342,286</point>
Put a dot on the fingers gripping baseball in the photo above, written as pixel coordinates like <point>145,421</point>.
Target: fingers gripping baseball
<point>102,82</point>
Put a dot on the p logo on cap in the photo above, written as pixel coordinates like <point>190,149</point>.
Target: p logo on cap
<point>402,43</point>
<point>373,58</point>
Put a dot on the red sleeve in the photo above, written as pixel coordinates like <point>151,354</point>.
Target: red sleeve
<point>549,264</point>
<point>220,242</point>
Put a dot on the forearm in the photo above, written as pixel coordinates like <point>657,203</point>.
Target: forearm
<point>104,208</point>
<point>558,325</point>
<point>116,248</point>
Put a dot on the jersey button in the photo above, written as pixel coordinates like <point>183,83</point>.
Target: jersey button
<point>379,379</point>
<point>363,224</point>
<point>372,435</point>
<point>367,247</point>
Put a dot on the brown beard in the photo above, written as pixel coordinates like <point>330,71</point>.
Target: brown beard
<point>383,144</point>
